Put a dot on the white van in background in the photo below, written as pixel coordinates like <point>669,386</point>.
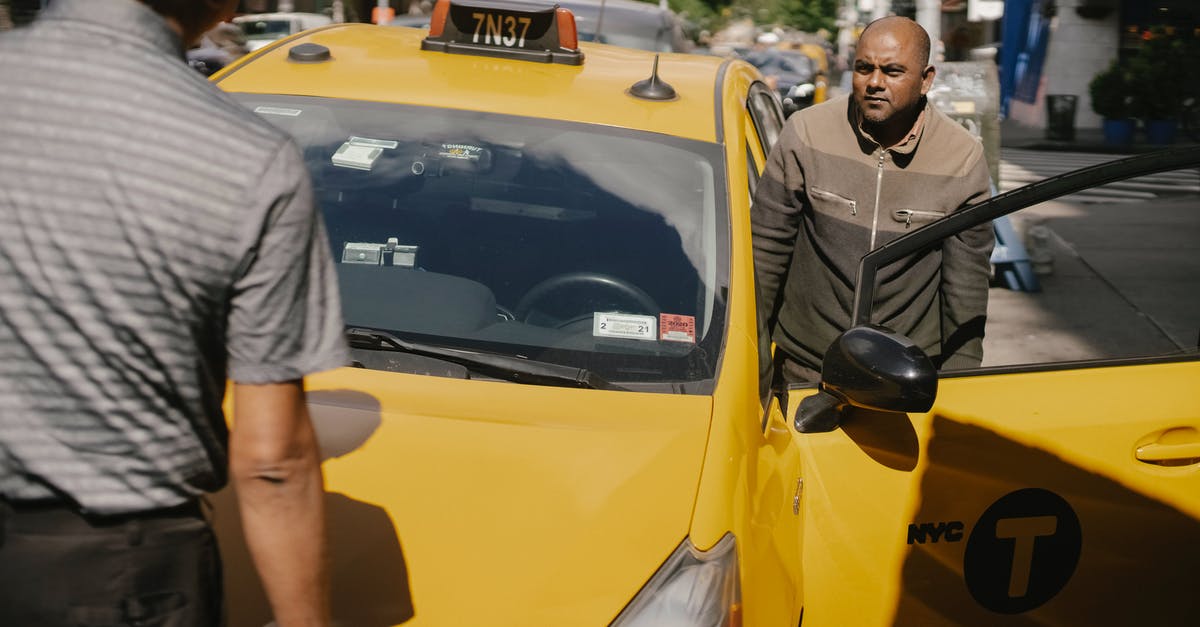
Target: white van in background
<point>263,28</point>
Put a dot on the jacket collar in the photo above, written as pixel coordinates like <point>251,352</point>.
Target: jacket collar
<point>906,147</point>
<point>127,19</point>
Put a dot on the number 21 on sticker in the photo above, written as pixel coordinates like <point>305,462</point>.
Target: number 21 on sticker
<point>500,29</point>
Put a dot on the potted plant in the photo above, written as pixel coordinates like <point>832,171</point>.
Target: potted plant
<point>1161,88</point>
<point>1111,92</point>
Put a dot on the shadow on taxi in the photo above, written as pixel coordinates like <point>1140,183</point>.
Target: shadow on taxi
<point>368,573</point>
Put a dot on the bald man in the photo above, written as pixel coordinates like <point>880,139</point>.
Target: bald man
<point>850,175</point>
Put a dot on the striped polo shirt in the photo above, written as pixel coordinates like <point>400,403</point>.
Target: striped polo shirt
<point>156,238</point>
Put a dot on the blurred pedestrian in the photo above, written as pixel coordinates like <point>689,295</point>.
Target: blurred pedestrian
<point>852,174</point>
<point>156,238</point>
<point>228,37</point>
<point>220,46</point>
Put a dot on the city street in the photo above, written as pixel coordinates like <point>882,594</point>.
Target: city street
<point>1124,279</point>
<point>1021,166</point>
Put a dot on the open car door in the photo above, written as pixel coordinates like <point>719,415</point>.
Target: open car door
<point>1059,484</point>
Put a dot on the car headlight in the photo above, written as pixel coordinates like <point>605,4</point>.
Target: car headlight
<point>693,588</point>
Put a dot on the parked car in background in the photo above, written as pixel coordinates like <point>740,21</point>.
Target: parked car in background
<point>264,28</point>
<point>218,47</point>
<point>820,57</point>
<point>629,23</point>
<point>791,73</point>
<point>411,20</point>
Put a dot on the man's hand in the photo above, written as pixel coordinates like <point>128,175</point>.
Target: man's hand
<point>275,467</point>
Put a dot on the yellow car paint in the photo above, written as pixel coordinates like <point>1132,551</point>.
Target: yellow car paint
<point>387,65</point>
<point>987,437</point>
<point>498,493</point>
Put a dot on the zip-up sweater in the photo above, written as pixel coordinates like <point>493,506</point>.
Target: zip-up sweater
<point>830,194</point>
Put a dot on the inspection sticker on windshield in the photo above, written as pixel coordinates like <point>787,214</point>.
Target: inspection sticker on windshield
<point>677,328</point>
<point>291,113</point>
<point>628,326</point>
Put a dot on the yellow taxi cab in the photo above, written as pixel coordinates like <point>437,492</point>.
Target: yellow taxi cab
<point>560,410</point>
<point>820,57</point>
<point>543,251</point>
<point>817,53</point>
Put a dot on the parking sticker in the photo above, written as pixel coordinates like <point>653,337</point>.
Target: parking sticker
<point>629,326</point>
<point>677,328</point>
<point>1023,551</point>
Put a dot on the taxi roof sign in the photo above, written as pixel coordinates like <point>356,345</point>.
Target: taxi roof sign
<point>497,29</point>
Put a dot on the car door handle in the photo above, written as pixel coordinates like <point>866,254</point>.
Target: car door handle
<point>1170,454</point>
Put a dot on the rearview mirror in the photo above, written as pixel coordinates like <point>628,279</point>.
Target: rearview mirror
<point>873,368</point>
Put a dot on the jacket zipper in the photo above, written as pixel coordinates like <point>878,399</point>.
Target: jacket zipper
<point>909,213</point>
<point>820,193</point>
<point>878,188</point>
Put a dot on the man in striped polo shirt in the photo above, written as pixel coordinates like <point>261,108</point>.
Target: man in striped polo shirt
<point>156,239</point>
<point>850,175</point>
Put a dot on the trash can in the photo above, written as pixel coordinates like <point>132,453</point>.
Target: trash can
<point>1060,116</point>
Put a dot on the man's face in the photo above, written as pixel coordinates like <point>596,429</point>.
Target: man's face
<point>889,78</point>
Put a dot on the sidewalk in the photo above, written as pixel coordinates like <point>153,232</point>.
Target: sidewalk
<point>1016,135</point>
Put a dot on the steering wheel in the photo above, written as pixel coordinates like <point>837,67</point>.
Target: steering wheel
<point>551,294</point>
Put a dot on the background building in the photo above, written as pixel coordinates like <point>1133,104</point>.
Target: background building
<point>1056,46</point>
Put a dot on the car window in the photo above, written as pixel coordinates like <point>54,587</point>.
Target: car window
<point>266,28</point>
<point>1117,275</point>
<point>766,114</point>
<point>1106,273</point>
<point>770,61</point>
<point>798,63</point>
<point>584,245</point>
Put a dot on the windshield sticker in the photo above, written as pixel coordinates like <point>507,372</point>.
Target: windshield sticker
<point>357,156</point>
<point>627,326</point>
<point>291,113</point>
<point>462,151</point>
<point>677,328</point>
<point>377,143</point>
<point>529,210</point>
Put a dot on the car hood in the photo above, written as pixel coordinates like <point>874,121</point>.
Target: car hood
<point>456,502</point>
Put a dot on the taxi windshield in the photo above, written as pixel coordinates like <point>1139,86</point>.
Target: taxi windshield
<point>582,245</point>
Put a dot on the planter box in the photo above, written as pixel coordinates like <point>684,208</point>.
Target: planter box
<point>1119,132</point>
<point>1161,132</point>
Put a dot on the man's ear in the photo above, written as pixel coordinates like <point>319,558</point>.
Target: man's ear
<point>927,78</point>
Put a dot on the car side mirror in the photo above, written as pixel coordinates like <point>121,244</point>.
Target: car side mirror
<point>873,368</point>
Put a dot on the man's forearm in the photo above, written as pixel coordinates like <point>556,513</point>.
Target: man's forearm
<point>275,465</point>
<point>283,518</point>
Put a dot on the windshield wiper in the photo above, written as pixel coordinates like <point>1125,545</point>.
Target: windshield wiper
<point>508,367</point>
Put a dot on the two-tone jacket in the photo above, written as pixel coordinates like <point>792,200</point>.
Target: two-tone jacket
<point>830,194</point>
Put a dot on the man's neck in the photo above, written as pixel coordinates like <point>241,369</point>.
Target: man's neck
<point>896,130</point>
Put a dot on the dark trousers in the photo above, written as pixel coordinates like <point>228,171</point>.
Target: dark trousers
<point>60,569</point>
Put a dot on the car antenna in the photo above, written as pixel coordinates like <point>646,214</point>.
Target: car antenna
<point>599,24</point>
<point>653,88</point>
